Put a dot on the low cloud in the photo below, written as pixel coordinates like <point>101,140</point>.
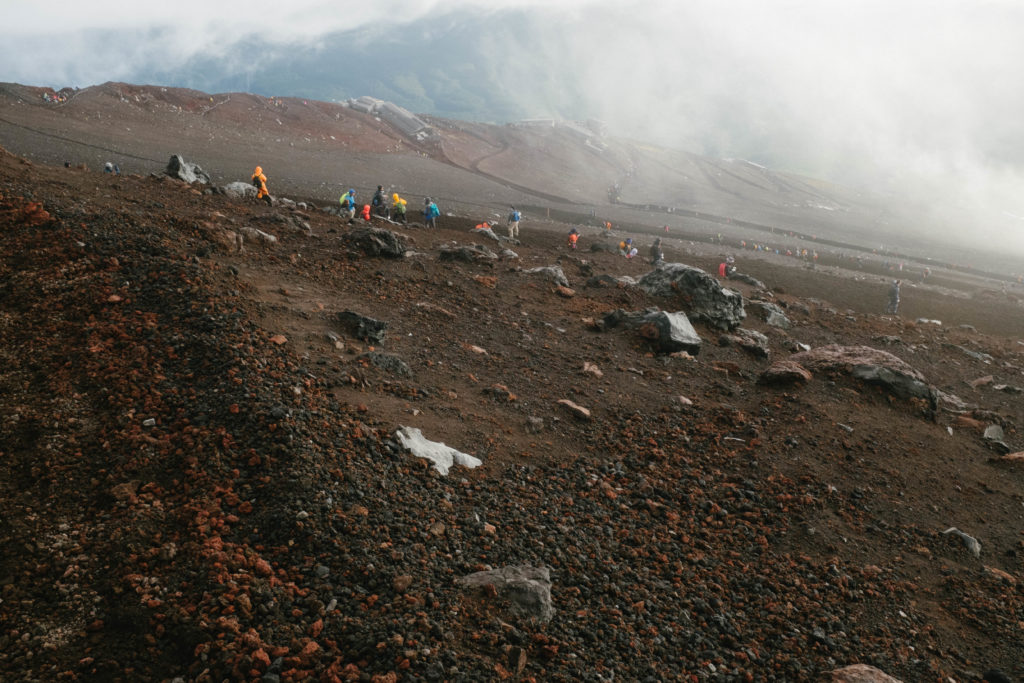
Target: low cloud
<point>908,93</point>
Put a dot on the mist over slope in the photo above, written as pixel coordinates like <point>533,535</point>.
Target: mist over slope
<point>317,149</point>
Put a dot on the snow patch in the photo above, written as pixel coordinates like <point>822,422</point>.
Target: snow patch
<point>441,455</point>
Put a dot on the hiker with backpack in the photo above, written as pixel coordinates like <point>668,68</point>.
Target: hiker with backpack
<point>398,208</point>
<point>348,203</point>
<point>380,202</point>
<point>513,223</point>
<point>430,213</point>
<point>259,181</point>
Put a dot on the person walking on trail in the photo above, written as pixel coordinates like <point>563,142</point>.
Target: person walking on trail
<point>380,202</point>
<point>365,214</point>
<point>430,213</point>
<point>348,203</point>
<point>260,182</point>
<point>398,208</point>
<point>625,246</point>
<point>513,223</point>
<point>574,236</point>
<point>894,298</point>
<point>656,253</point>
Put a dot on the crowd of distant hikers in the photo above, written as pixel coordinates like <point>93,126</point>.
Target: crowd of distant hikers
<point>393,209</point>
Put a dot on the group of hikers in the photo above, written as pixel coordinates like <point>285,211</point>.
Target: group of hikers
<point>393,210</point>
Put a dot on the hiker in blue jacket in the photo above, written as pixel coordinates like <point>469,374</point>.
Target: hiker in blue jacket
<point>513,222</point>
<point>430,213</point>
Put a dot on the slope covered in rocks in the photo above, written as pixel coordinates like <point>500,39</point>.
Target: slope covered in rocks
<point>202,477</point>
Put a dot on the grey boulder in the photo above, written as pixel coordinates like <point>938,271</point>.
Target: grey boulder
<point>669,332</point>
<point>527,588</point>
<point>178,168</point>
<point>706,300</point>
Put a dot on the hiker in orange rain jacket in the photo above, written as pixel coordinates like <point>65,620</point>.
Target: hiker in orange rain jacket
<point>365,214</point>
<point>260,181</point>
<point>574,235</point>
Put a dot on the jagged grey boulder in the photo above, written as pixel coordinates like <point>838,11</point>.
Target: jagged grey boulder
<point>669,332</point>
<point>770,313</point>
<point>869,365</point>
<point>177,167</point>
<point>705,299</point>
<point>527,588</point>
<point>377,242</point>
<point>553,273</point>
<point>363,327</point>
<point>239,189</point>
<point>473,254</point>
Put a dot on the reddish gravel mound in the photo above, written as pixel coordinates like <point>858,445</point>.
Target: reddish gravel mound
<point>199,477</point>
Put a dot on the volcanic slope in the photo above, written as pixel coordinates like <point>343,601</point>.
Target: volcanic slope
<point>201,476</point>
<point>313,148</point>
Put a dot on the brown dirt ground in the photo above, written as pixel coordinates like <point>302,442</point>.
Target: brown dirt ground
<point>874,479</point>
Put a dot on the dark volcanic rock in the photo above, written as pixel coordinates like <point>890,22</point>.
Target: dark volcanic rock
<point>705,299</point>
<point>472,254</point>
<point>670,332</point>
<point>377,242</point>
<point>363,327</point>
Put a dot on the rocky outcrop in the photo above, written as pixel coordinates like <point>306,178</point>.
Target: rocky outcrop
<point>869,365</point>
<point>669,332</point>
<point>178,168</point>
<point>704,298</point>
<point>377,242</point>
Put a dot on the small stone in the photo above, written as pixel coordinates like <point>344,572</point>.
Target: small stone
<point>279,339</point>
<point>577,410</point>
<point>402,583</point>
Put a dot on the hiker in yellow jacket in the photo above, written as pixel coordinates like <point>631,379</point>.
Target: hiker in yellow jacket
<point>398,208</point>
<point>260,181</point>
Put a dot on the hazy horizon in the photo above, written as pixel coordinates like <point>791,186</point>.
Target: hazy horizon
<point>906,97</point>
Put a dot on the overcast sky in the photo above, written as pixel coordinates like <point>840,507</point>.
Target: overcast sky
<point>927,91</point>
